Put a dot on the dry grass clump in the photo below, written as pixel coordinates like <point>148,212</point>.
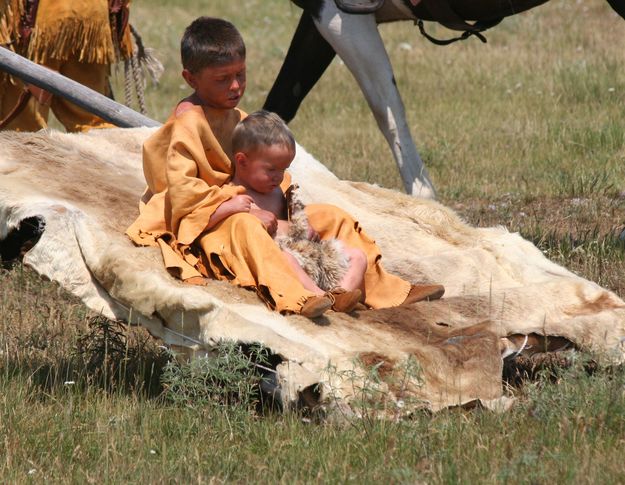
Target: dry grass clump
<point>49,339</point>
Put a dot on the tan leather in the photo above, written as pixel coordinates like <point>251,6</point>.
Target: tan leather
<point>315,306</point>
<point>424,292</point>
<point>345,301</point>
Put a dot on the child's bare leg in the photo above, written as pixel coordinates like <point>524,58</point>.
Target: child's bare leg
<point>302,276</point>
<point>355,276</point>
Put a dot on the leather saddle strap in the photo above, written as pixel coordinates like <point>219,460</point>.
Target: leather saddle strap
<point>359,6</point>
<point>17,109</point>
<point>443,13</point>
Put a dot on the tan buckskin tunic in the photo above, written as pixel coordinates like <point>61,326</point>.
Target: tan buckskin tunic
<point>73,37</point>
<point>187,165</point>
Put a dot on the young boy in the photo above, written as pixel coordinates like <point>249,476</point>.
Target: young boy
<point>263,148</point>
<point>188,164</point>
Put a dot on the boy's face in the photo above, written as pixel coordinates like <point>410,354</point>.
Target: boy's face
<point>220,86</point>
<point>263,168</point>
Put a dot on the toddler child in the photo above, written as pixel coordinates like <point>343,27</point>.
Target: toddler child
<point>263,148</point>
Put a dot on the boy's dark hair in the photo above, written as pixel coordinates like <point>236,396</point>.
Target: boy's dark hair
<point>209,41</point>
<point>261,128</point>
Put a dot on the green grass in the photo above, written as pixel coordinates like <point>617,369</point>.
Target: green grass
<point>571,431</point>
<point>526,131</point>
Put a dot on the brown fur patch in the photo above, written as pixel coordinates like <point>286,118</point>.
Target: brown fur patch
<point>460,358</point>
<point>385,365</point>
<point>77,175</point>
<point>428,319</point>
<point>604,301</point>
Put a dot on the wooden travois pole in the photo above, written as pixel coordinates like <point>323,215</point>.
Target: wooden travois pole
<point>59,85</point>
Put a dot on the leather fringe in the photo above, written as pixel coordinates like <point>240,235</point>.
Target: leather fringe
<point>10,14</point>
<point>90,41</point>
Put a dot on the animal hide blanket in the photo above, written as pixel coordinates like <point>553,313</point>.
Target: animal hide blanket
<point>83,191</point>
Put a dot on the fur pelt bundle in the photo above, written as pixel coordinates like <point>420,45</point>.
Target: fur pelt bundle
<point>324,261</point>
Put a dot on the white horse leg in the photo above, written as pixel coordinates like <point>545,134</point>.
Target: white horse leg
<point>356,40</point>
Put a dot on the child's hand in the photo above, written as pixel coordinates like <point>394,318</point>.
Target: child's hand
<point>268,219</point>
<point>240,203</point>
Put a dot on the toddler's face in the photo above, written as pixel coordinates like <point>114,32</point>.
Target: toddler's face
<point>220,86</point>
<point>263,169</point>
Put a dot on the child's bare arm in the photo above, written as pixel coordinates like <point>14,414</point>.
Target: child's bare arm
<point>239,203</point>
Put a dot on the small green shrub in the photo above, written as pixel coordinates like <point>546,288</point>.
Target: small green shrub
<point>229,378</point>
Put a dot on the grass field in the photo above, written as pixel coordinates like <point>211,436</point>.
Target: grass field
<point>526,131</point>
